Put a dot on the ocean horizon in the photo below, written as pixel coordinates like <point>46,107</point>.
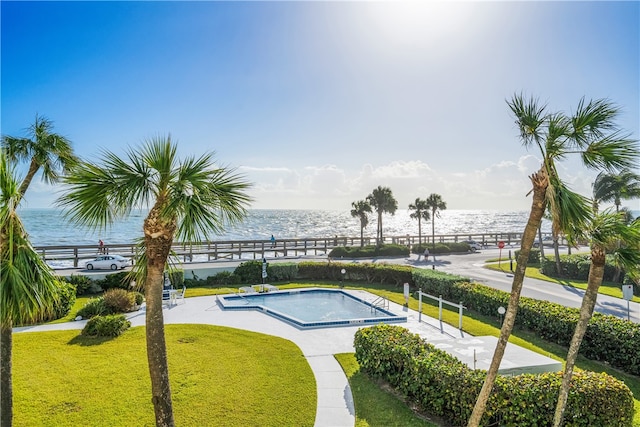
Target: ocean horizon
<point>48,226</point>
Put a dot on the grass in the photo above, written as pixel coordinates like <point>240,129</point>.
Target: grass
<point>376,407</point>
<point>366,391</point>
<point>219,376</point>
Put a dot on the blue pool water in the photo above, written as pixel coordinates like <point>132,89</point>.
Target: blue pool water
<point>312,308</point>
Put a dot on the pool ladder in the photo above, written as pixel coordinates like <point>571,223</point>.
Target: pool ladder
<point>380,302</point>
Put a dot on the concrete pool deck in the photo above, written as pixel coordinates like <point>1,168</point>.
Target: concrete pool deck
<point>335,403</point>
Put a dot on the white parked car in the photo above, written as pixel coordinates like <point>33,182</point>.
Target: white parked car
<point>112,262</point>
<point>475,246</point>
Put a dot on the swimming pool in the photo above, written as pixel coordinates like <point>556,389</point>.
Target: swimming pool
<point>312,308</point>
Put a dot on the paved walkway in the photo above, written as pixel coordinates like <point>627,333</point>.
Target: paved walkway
<point>335,402</point>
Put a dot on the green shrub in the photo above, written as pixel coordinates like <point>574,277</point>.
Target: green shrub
<point>369,251</point>
<point>119,300</point>
<point>249,272</point>
<point>444,386</point>
<point>176,277</point>
<point>607,338</point>
<point>224,278</point>
<point>356,272</point>
<point>282,272</point>
<point>65,298</point>
<point>139,298</point>
<point>116,280</point>
<point>81,282</point>
<point>106,326</point>
<point>94,307</point>
<point>576,267</point>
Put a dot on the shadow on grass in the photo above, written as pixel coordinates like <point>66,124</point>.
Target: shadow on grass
<point>85,341</point>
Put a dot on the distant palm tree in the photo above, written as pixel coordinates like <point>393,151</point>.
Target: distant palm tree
<point>590,132</point>
<point>420,211</point>
<point>435,204</point>
<point>43,149</point>
<point>189,199</point>
<point>382,200</point>
<point>27,284</point>
<point>614,187</point>
<point>607,233</point>
<point>360,210</point>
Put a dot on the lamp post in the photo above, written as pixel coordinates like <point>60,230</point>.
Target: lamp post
<point>343,271</point>
<point>501,311</point>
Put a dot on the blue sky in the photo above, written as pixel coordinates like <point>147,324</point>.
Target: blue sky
<point>319,103</point>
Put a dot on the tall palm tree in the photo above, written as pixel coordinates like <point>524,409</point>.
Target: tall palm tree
<point>27,284</point>
<point>435,204</point>
<point>188,199</point>
<point>590,132</point>
<point>614,187</point>
<point>420,211</point>
<point>381,199</point>
<point>44,150</point>
<point>608,232</point>
<point>361,209</point>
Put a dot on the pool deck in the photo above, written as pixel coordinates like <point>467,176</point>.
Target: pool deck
<point>335,403</point>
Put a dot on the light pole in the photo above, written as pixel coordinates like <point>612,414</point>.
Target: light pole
<point>343,271</point>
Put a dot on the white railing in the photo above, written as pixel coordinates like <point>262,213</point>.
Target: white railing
<point>440,302</point>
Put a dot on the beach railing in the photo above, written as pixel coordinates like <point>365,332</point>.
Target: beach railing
<point>258,249</point>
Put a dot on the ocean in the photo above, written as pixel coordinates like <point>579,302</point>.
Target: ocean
<point>48,227</point>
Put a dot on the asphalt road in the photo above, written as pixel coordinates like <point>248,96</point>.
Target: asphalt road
<point>468,265</point>
<point>471,265</point>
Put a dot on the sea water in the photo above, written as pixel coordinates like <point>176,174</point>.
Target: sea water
<point>49,227</point>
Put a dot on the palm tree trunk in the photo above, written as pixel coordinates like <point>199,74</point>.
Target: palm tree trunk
<point>556,254</point>
<point>541,247</point>
<point>379,228</point>
<point>6,387</point>
<point>596,273</point>
<point>158,238</point>
<point>33,169</point>
<point>419,232</point>
<point>538,205</point>
<point>361,235</point>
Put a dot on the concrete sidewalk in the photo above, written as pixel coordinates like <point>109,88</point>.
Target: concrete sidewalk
<point>335,402</point>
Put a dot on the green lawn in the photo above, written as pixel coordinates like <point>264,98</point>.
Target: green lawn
<point>373,405</point>
<point>219,376</point>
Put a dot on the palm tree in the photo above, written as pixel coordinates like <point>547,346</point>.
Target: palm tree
<point>436,204</point>
<point>42,149</point>
<point>360,210</point>
<point>188,200</point>
<point>381,199</point>
<point>590,132</point>
<point>614,187</point>
<point>420,211</point>
<point>27,284</point>
<point>608,232</point>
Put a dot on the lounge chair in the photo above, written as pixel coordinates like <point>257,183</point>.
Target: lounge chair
<point>270,288</point>
<point>247,290</point>
<point>180,295</point>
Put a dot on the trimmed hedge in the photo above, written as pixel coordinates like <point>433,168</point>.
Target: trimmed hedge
<point>441,248</point>
<point>446,387</point>
<point>577,267</point>
<point>608,338</point>
<point>369,251</point>
<point>356,272</point>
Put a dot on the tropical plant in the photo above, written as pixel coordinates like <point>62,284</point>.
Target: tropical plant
<point>188,199</point>
<point>360,210</point>
<point>590,132</point>
<point>607,232</point>
<point>614,187</point>
<point>27,285</point>
<point>435,204</point>
<point>381,199</point>
<point>42,149</point>
<point>420,211</point>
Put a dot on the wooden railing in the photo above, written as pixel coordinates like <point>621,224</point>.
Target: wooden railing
<point>258,249</point>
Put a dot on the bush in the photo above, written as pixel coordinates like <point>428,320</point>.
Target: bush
<point>82,283</point>
<point>119,300</point>
<point>116,281</point>
<point>139,298</point>
<point>444,386</point>
<point>223,278</point>
<point>369,251</point>
<point>607,338</point>
<point>176,277</point>
<point>576,267</point>
<point>94,307</point>
<point>249,272</point>
<point>64,300</point>
<point>282,272</point>
<point>356,272</point>
<point>106,326</point>
<point>534,256</point>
